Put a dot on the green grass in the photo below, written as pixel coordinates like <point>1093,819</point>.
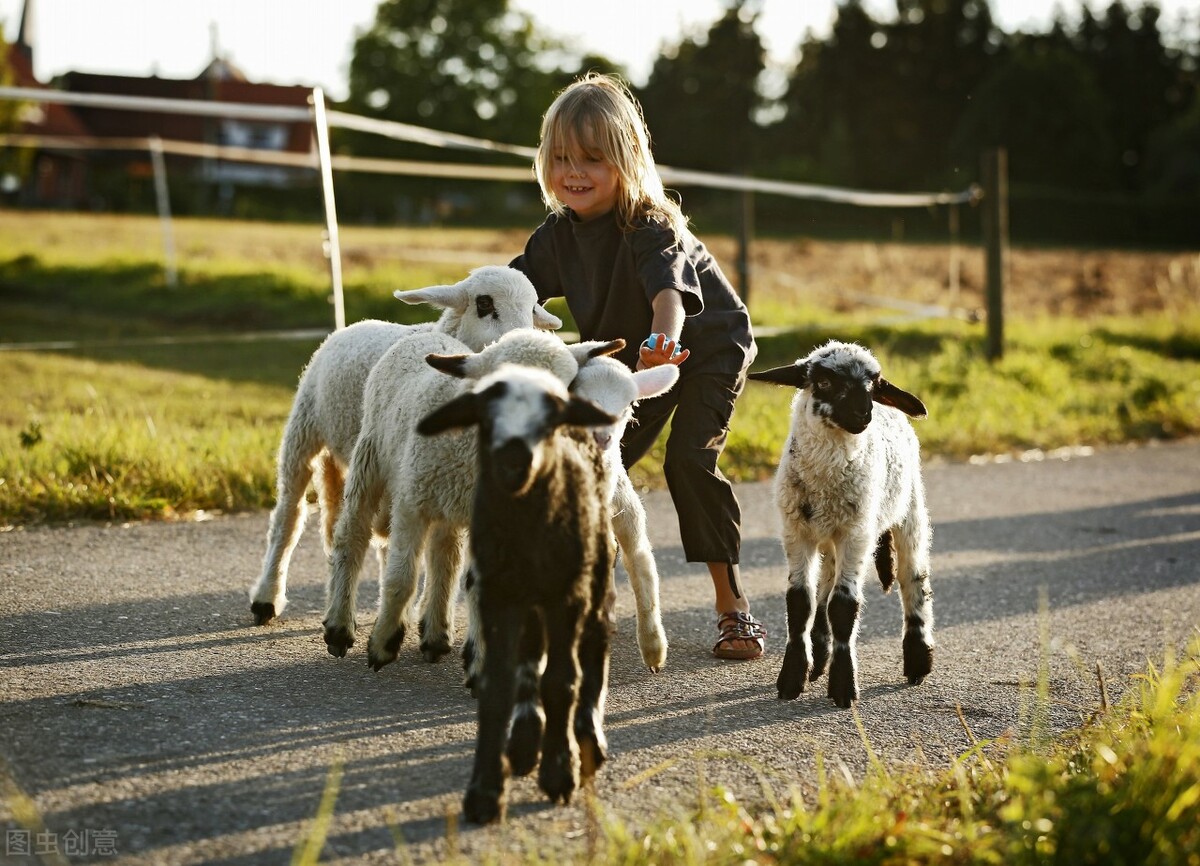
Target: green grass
<point>122,429</point>
<point>1123,788</point>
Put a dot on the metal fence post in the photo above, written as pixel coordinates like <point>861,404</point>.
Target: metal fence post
<point>332,247</point>
<point>995,239</point>
<point>745,236</point>
<point>163,199</point>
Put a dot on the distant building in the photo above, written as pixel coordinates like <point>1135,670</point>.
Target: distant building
<point>64,177</point>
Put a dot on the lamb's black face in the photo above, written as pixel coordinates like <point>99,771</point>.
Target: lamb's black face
<point>841,392</point>
<point>517,420</point>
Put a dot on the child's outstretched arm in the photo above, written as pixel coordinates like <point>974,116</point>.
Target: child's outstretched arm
<point>667,324</point>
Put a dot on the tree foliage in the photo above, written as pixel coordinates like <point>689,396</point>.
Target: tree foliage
<point>1106,102</point>
<point>701,99</point>
<point>457,65</point>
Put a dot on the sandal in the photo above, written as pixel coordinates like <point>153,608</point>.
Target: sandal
<point>739,626</point>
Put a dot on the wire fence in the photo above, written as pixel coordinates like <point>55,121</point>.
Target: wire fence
<point>321,160</point>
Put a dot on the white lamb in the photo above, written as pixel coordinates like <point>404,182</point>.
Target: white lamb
<point>426,484</point>
<point>326,413</point>
<point>848,488</point>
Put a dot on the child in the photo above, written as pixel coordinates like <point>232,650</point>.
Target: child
<point>620,251</point>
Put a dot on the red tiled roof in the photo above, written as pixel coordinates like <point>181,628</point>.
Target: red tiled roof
<point>52,118</point>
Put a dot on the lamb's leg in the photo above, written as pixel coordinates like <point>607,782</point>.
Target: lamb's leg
<point>801,604</point>
<point>821,639</point>
<point>916,598</point>
<point>528,720</point>
<point>331,488</point>
<point>351,538</point>
<point>406,542</point>
<point>268,596</point>
<point>444,555</point>
<point>472,651</point>
<point>629,525</point>
<point>844,605</point>
<point>558,775</point>
<point>484,800</point>
<point>593,662</point>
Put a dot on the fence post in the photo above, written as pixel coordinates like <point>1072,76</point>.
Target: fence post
<point>333,249</point>
<point>954,280</point>
<point>745,236</point>
<point>995,239</point>
<point>163,199</point>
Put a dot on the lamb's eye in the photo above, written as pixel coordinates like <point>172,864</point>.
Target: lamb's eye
<point>823,385</point>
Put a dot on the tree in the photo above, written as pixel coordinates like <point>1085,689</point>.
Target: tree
<point>464,66</point>
<point>1171,168</point>
<point>1044,106</point>
<point>874,105</point>
<point>700,101</point>
<point>472,67</point>
<point>1135,73</point>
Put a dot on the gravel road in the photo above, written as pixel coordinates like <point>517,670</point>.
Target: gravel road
<point>144,714</point>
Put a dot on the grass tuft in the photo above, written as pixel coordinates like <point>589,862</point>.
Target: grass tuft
<point>1124,788</point>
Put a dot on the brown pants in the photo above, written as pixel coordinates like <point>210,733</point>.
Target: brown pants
<point>710,518</point>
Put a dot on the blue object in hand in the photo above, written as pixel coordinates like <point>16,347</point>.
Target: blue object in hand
<point>651,343</point>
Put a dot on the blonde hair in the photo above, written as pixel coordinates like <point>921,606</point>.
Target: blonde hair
<point>597,115</point>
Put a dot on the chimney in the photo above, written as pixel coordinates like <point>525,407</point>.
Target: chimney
<point>25,33</point>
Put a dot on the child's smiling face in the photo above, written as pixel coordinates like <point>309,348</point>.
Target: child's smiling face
<point>585,182</point>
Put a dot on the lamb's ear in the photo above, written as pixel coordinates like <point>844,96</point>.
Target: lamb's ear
<point>455,365</point>
<point>655,381</point>
<point>440,296</point>
<point>462,411</point>
<point>584,413</point>
<point>889,395</point>
<point>588,349</point>
<point>545,321</point>
<point>795,375</point>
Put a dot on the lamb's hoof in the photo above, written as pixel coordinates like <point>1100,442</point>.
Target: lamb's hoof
<point>263,612</point>
<point>793,676</point>
<point>434,649</point>
<point>483,807</point>
<point>525,743</point>
<point>338,639</point>
<point>557,777</point>
<point>472,684</point>
<point>820,661</point>
<point>918,660</point>
<point>378,656</point>
<point>843,690</point>
<point>654,649</point>
<point>593,751</point>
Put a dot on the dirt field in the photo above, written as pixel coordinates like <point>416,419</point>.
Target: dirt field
<point>1068,282</point>
<point>1055,281</point>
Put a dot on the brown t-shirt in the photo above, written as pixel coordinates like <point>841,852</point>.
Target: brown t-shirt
<point>609,279</point>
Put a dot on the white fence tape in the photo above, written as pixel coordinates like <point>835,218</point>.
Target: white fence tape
<point>433,138</point>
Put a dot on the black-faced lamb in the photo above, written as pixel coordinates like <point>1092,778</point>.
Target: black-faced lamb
<point>616,389</point>
<point>425,483</point>
<point>849,489</point>
<point>326,413</point>
<point>542,559</point>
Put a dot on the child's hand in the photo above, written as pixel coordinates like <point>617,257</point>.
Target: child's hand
<point>658,350</point>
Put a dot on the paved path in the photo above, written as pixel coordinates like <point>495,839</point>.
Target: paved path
<point>136,698</point>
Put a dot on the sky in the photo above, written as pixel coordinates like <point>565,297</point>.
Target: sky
<point>310,41</point>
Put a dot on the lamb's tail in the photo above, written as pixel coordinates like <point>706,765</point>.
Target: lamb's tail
<point>885,560</point>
